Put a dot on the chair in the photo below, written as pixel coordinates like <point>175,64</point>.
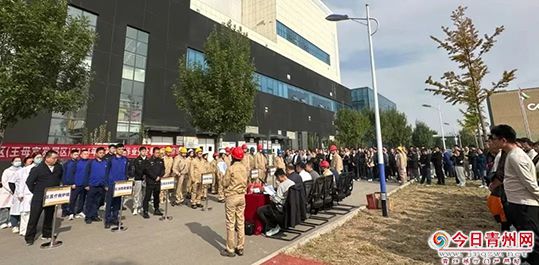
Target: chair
<point>315,203</point>
<point>292,215</point>
<point>328,191</point>
<point>308,185</point>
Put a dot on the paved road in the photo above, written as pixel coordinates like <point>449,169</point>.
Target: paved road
<point>192,237</point>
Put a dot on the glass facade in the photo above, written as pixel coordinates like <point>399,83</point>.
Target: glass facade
<point>68,128</point>
<point>132,91</point>
<point>363,98</point>
<point>276,87</point>
<point>304,44</point>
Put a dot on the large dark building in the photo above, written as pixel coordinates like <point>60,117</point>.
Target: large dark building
<point>135,64</point>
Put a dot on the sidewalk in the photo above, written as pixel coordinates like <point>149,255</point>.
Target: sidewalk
<point>192,237</point>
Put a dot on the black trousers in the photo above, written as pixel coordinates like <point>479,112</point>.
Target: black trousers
<point>151,189</point>
<point>440,175</point>
<point>36,207</point>
<point>525,218</point>
<point>270,215</point>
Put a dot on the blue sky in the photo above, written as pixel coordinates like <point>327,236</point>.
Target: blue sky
<point>406,56</point>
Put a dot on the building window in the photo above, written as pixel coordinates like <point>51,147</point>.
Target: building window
<point>69,128</point>
<point>132,88</point>
<point>304,44</point>
<point>276,87</point>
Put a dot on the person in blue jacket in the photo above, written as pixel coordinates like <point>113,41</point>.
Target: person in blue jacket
<point>78,186</point>
<point>95,182</point>
<point>67,178</point>
<point>118,166</point>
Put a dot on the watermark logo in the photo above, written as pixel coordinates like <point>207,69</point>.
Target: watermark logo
<point>439,240</point>
<point>477,247</point>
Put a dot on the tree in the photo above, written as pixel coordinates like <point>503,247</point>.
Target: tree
<point>422,136</point>
<point>465,47</point>
<point>218,95</point>
<point>467,137</point>
<point>41,60</point>
<point>395,128</point>
<point>352,127</point>
<point>98,135</point>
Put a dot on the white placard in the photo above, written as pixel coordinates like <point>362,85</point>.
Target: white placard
<point>123,188</point>
<point>168,183</point>
<point>56,195</point>
<point>207,179</point>
<point>254,173</point>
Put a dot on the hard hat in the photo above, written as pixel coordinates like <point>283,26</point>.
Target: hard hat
<point>183,150</point>
<point>227,150</point>
<point>215,155</point>
<point>324,164</point>
<point>222,151</point>
<point>252,149</point>
<point>244,147</point>
<point>168,149</point>
<point>237,153</point>
<point>333,148</point>
<point>198,150</point>
<point>260,147</point>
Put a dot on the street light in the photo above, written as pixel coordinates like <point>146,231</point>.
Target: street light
<point>441,121</point>
<point>381,167</point>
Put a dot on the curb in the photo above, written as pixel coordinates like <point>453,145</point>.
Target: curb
<point>325,229</point>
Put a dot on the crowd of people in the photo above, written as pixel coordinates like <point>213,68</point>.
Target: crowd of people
<point>501,167</point>
<point>92,178</point>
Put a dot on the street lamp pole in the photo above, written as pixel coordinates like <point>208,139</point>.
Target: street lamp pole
<point>441,122</point>
<point>379,145</point>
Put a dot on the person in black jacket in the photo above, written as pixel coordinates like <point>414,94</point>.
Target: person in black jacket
<point>47,174</point>
<point>424,163</point>
<point>138,165</point>
<point>437,161</point>
<point>154,171</point>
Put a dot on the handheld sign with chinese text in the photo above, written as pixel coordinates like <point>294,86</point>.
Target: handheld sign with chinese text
<point>207,179</point>
<point>56,195</point>
<point>167,183</point>
<point>123,188</point>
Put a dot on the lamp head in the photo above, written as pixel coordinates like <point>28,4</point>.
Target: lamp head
<point>337,17</point>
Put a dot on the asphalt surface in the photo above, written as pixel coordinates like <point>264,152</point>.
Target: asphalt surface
<point>191,237</point>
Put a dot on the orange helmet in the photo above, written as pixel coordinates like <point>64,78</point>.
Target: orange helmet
<point>260,147</point>
<point>237,153</point>
<point>215,155</point>
<point>324,164</point>
<point>333,148</point>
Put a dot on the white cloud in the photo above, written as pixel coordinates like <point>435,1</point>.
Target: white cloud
<point>406,26</point>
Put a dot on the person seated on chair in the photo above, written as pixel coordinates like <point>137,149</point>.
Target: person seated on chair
<point>300,169</point>
<point>309,167</point>
<point>272,214</point>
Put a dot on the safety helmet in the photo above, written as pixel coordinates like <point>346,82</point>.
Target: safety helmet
<point>260,147</point>
<point>324,164</point>
<point>198,150</point>
<point>215,155</point>
<point>222,151</point>
<point>244,147</point>
<point>333,148</point>
<point>227,150</point>
<point>237,153</point>
<point>183,150</point>
<point>168,149</point>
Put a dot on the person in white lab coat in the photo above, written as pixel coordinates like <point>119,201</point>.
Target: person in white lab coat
<point>6,194</point>
<point>16,164</point>
<point>23,194</point>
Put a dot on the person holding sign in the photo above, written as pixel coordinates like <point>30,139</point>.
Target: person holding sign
<point>45,175</point>
<point>154,171</point>
<point>235,186</point>
<point>95,185</point>
<point>117,170</point>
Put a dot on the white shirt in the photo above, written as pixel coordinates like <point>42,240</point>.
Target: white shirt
<point>520,181</point>
<point>305,175</point>
<point>532,153</point>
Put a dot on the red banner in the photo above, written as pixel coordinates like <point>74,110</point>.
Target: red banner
<point>10,151</point>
